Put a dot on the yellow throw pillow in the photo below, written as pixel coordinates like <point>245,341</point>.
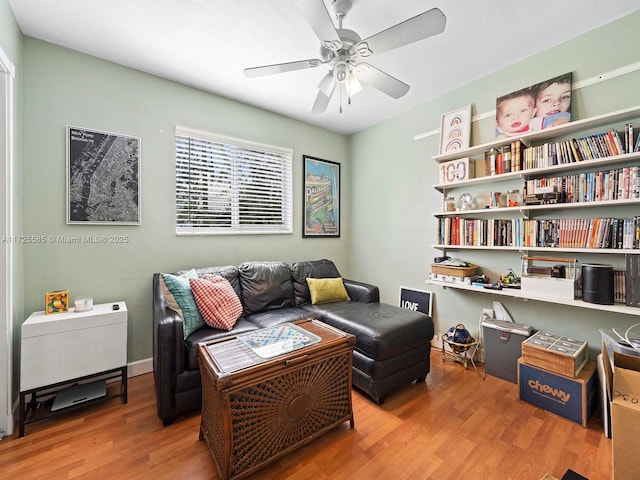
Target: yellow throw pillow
<point>325,290</point>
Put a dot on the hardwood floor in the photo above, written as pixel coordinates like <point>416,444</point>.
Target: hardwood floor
<point>454,426</point>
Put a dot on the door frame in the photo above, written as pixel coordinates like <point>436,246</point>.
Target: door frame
<point>7,76</point>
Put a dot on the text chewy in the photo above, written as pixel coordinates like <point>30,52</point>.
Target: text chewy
<point>543,388</point>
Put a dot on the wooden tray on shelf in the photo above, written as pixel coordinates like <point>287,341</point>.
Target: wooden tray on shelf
<point>454,271</point>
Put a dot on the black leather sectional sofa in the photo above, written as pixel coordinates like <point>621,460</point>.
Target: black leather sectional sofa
<point>392,344</point>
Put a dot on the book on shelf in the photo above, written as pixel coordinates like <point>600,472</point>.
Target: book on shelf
<point>517,156</point>
<point>619,286</point>
<point>621,183</point>
<point>587,233</point>
<point>628,137</point>
<point>505,159</point>
<point>636,146</point>
<point>589,147</point>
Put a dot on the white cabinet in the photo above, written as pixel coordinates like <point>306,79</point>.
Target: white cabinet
<point>71,347</point>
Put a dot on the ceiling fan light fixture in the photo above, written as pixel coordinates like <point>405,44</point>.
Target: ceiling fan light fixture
<point>353,86</point>
<point>340,71</point>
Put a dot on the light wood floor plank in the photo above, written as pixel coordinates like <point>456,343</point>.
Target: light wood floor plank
<point>454,426</point>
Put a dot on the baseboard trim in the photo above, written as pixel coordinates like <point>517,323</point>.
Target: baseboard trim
<point>140,367</point>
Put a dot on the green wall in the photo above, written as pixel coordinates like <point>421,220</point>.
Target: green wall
<point>10,36</point>
<point>393,230</point>
<point>63,87</point>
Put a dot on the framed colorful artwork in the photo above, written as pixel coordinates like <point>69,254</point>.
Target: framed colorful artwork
<point>455,130</point>
<point>321,188</point>
<point>543,105</point>
<point>56,302</point>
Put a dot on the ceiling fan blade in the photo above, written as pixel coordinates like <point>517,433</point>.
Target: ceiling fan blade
<point>325,91</point>
<point>320,21</point>
<point>380,80</point>
<point>281,67</point>
<point>417,28</point>
<point>327,84</point>
<point>321,103</point>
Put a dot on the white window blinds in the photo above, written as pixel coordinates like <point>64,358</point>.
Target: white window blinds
<point>228,185</point>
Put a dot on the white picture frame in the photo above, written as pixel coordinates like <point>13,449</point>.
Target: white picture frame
<point>108,163</point>
<point>455,130</point>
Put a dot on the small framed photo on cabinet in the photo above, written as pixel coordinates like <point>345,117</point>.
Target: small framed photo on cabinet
<point>56,301</point>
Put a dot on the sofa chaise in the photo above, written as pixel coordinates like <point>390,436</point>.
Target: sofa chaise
<point>392,347</point>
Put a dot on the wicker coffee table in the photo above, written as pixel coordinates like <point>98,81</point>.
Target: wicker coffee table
<point>256,409</point>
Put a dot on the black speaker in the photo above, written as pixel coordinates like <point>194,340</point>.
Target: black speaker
<point>597,283</point>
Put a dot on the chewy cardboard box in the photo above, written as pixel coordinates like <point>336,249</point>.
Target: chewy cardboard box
<point>623,389</point>
<point>572,398</point>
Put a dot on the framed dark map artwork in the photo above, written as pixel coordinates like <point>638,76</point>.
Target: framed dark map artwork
<point>103,177</point>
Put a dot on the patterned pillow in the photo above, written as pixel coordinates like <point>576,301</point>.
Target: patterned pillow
<point>217,300</point>
<point>177,293</point>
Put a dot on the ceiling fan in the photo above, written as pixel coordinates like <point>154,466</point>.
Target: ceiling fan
<point>343,50</point>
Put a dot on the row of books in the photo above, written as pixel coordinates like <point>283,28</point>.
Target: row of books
<point>517,156</point>
<point>615,184</point>
<point>504,160</point>
<point>590,147</point>
<point>610,233</point>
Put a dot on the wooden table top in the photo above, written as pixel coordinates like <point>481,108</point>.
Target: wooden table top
<point>229,355</point>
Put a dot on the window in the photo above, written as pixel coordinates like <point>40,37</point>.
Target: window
<point>228,185</point>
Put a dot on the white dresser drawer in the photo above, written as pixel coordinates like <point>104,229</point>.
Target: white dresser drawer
<point>64,346</point>
<point>37,370</point>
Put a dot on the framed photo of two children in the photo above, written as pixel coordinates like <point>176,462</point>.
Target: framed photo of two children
<point>543,105</point>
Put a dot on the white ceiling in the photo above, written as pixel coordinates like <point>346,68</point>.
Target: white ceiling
<point>207,44</point>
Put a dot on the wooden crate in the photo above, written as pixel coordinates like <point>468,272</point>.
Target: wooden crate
<point>555,353</point>
<point>454,271</point>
